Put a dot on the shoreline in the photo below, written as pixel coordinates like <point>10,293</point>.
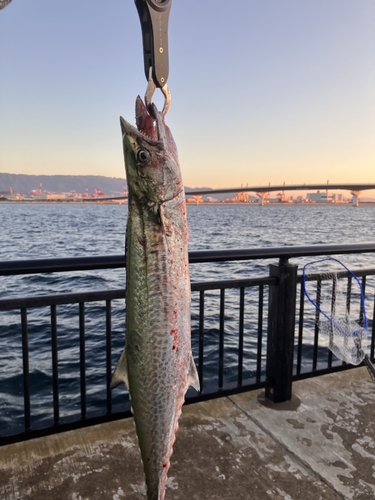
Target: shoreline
<point>218,203</point>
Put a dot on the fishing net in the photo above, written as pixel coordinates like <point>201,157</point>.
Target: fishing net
<point>340,312</point>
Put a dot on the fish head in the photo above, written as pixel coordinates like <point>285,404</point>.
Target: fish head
<point>151,161</point>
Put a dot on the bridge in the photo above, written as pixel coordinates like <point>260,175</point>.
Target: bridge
<point>262,191</point>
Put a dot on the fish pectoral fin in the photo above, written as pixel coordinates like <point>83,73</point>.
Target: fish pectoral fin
<point>161,216</point>
<point>120,375</point>
<point>193,378</point>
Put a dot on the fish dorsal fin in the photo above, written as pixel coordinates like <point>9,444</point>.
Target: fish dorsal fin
<point>120,375</point>
<point>193,378</point>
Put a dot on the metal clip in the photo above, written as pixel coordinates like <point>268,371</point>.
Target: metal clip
<point>150,92</point>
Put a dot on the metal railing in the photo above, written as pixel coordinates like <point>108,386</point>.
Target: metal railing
<point>246,334</point>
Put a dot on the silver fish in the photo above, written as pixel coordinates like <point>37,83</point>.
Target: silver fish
<point>157,364</point>
<point>4,3</point>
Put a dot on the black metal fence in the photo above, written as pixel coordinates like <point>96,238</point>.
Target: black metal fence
<point>246,334</point>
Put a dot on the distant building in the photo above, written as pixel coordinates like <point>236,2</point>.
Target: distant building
<point>320,197</point>
<point>241,198</point>
<point>56,196</point>
<point>338,197</point>
<point>281,198</point>
<point>195,199</point>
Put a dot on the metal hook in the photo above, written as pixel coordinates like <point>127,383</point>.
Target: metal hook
<point>151,87</point>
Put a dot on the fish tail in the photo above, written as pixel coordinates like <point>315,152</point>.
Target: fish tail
<point>120,375</point>
<point>193,378</point>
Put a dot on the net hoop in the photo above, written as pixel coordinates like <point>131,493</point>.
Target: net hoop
<point>357,332</point>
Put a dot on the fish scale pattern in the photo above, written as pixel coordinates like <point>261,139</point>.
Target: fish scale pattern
<point>158,339</point>
<point>157,362</point>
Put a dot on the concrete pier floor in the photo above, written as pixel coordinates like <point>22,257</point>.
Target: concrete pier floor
<point>318,446</point>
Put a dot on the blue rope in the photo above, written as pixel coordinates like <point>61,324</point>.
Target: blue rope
<point>365,322</point>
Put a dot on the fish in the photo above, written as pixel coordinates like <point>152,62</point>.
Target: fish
<point>157,364</point>
<point>4,3</point>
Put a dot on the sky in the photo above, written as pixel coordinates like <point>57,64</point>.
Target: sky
<point>263,91</point>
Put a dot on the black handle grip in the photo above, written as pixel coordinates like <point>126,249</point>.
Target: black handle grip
<point>154,17</point>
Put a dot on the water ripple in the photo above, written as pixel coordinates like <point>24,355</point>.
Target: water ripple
<point>60,230</point>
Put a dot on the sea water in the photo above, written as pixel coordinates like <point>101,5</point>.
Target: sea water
<point>42,231</point>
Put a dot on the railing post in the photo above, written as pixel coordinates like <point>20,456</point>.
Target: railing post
<point>281,323</point>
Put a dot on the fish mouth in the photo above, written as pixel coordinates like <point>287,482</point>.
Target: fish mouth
<point>148,122</point>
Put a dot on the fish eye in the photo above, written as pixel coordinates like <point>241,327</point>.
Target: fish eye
<point>143,156</point>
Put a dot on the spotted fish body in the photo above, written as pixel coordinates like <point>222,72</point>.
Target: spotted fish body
<point>157,364</point>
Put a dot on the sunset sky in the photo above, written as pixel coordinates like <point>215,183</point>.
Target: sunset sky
<point>262,90</point>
